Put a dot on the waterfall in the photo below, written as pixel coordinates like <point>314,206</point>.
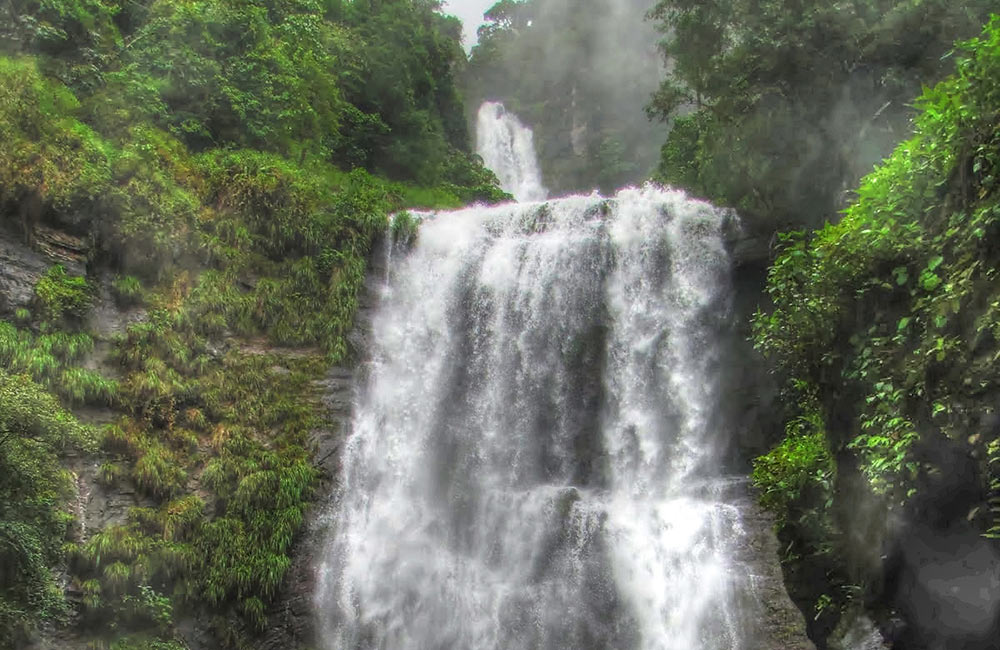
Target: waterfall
<point>508,148</point>
<point>534,455</point>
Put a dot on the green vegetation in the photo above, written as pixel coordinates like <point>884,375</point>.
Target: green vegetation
<point>52,360</point>
<point>62,296</point>
<point>886,328</point>
<point>778,108</point>
<point>228,167</point>
<point>34,522</point>
<point>235,432</point>
<point>797,475</point>
<point>127,290</point>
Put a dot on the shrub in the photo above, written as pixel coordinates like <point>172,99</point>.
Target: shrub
<point>47,152</point>
<point>60,296</point>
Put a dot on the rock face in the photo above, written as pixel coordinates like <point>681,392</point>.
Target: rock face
<point>20,269</point>
<point>106,318</point>
<point>22,266</point>
<point>783,626</point>
<point>98,506</point>
<point>856,631</point>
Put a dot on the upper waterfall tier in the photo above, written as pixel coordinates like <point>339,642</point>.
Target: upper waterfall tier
<point>507,147</point>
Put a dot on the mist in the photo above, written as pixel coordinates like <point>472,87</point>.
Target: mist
<point>580,74</point>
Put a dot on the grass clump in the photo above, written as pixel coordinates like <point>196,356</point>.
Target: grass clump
<point>51,359</point>
<point>127,291</point>
<point>228,427</point>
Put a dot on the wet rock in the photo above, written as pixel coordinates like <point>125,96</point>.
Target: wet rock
<point>946,586</point>
<point>856,631</point>
<point>779,623</point>
<point>106,319</point>
<point>22,266</point>
<point>97,505</point>
<point>194,630</point>
<point>750,251</point>
<point>63,248</point>
<point>335,392</point>
<point>20,269</point>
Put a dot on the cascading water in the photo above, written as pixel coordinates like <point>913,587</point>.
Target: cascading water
<point>508,148</point>
<point>533,458</point>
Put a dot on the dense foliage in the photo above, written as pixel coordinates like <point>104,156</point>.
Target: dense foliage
<point>578,73</point>
<point>34,522</point>
<point>779,107</point>
<point>887,329</point>
<point>219,170</point>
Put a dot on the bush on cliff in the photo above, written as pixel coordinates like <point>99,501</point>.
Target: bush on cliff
<point>887,328</point>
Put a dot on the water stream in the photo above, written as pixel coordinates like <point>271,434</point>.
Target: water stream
<point>533,462</point>
<point>508,148</point>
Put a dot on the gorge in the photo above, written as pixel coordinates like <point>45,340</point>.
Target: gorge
<point>314,334</point>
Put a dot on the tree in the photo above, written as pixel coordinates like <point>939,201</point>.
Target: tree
<point>796,99</point>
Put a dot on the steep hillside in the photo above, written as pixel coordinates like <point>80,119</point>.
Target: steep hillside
<point>779,107</point>
<point>885,330</point>
<point>188,196</point>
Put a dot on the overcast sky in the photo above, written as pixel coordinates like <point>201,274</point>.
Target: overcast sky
<point>471,13</point>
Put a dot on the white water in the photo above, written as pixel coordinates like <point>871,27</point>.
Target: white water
<point>532,463</point>
<point>508,148</point>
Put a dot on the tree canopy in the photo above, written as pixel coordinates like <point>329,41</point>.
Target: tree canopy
<point>779,107</point>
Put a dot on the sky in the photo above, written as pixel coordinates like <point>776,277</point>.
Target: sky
<point>471,13</point>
